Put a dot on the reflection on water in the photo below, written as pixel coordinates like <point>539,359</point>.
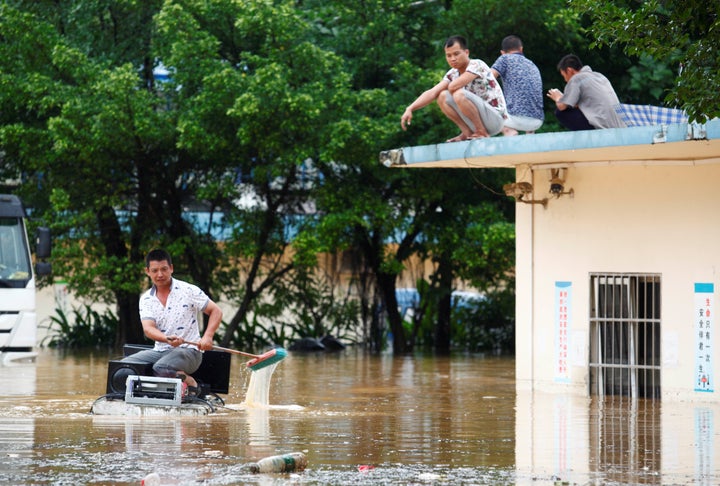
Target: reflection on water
<point>360,420</point>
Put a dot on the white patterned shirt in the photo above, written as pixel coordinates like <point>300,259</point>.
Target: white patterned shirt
<point>484,85</point>
<point>179,316</point>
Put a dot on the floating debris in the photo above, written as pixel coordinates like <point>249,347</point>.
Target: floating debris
<point>152,479</point>
<point>294,461</point>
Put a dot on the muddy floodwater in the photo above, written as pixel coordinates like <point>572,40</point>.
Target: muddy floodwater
<point>359,420</point>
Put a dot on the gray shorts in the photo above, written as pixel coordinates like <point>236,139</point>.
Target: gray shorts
<point>523,123</point>
<point>490,117</point>
<point>168,363</point>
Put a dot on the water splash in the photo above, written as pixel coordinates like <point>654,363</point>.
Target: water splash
<point>258,390</point>
<point>257,395</point>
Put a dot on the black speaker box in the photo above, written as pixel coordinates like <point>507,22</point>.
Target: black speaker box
<point>214,372</point>
<point>118,371</point>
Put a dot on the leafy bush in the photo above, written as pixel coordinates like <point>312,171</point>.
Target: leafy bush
<point>486,324</point>
<point>479,322</point>
<point>306,305</point>
<point>87,329</point>
<point>314,308</point>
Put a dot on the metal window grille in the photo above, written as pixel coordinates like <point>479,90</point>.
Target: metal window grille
<point>625,335</point>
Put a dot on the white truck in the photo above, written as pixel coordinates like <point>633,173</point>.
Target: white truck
<point>18,321</point>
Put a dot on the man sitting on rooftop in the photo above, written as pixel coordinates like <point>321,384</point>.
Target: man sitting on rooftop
<point>589,100</point>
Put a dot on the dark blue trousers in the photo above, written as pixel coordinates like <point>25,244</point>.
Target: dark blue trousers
<point>573,119</point>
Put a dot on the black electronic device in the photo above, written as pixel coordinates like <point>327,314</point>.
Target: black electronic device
<point>214,372</point>
<point>118,371</point>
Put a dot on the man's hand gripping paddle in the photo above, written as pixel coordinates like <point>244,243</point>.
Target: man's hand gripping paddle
<point>258,361</point>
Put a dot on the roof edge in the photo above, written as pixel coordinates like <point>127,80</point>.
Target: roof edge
<point>689,143</point>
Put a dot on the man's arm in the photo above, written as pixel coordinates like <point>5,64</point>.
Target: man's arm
<point>555,95</point>
<point>152,332</point>
<point>215,318</point>
<point>460,82</point>
<point>421,101</point>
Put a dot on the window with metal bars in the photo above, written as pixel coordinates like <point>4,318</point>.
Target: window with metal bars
<point>625,335</point>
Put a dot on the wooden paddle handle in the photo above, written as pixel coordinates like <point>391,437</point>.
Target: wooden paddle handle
<point>227,350</point>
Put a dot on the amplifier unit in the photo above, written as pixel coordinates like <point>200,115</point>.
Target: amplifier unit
<point>153,390</point>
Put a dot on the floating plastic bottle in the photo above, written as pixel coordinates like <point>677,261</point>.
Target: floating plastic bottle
<point>294,461</point>
<point>152,479</point>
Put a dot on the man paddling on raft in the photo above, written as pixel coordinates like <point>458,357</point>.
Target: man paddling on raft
<point>169,312</point>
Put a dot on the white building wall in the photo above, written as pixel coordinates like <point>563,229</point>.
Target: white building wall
<point>662,219</point>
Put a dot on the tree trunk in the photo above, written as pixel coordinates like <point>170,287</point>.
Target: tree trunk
<point>442,329</point>
<point>129,326</point>
<point>386,282</point>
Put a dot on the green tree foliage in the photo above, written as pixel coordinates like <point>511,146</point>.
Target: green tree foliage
<point>275,105</point>
<point>82,151</point>
<point>270,121</point>
<point>389,216</point>
<point>470,236</point>
<point>682,33</point>
<point>370,210</point>
<point>374,35</point>
<point>87,329</point>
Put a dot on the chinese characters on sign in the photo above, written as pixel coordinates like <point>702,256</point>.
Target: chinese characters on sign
<point>704,379</point>
<point>563,299</point>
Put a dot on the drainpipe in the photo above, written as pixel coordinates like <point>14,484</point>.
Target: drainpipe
<point>533,208</point>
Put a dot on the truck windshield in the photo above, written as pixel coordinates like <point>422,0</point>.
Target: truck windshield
<point>14,256</point>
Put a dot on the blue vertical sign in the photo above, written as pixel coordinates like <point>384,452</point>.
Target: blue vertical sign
<point>563,301</point>
<point>704,379</point>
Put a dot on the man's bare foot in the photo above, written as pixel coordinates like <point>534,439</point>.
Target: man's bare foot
<point>509,132</point>
<point>478,135</point>
<point>189,380</point>
<point>459,138</point>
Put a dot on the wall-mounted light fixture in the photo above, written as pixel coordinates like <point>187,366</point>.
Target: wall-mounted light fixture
<point>557,183</point>
<point>522,192</point>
